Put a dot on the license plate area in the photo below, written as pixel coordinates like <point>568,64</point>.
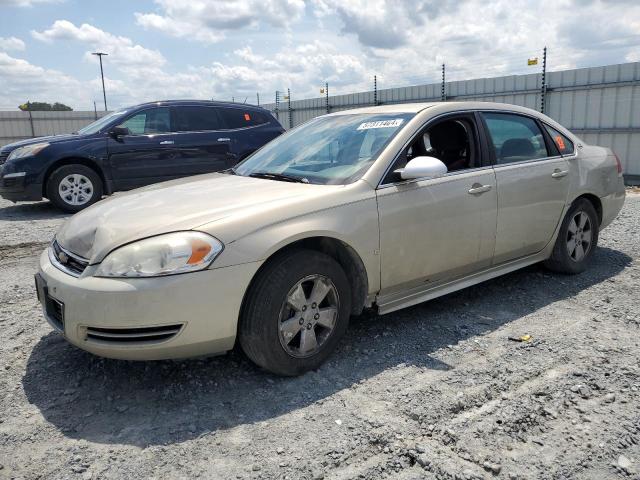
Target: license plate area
<point>53,308</point>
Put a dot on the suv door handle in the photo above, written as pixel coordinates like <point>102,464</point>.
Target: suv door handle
<point>557,173</point>
<point>167,142</point>
<point>224,139</point>
<point>477,189</point>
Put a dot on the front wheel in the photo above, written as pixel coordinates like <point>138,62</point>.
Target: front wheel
<point>577,239</point>
<point>74,187</point>
<point>295,312</point>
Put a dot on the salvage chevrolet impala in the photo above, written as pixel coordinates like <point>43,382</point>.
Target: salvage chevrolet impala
<point>381,208</point>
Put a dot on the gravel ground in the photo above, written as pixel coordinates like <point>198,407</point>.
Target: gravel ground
<point>434,391</point>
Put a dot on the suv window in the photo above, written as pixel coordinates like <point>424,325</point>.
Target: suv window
<point>153,120</point>
<point>515,138</point>
<point>564,145</point>
<point>195,119</point>
<point>240,118</point>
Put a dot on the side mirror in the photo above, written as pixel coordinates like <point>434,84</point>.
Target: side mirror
<point>422,167</point>
<point>119,131</point>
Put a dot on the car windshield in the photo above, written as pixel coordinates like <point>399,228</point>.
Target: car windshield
<point>327,150</point>
<point>101,122</point>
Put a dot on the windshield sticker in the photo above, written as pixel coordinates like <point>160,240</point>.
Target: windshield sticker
<point>396,122</point>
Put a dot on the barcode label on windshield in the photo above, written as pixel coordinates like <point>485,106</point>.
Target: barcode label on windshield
<point>396,122</point>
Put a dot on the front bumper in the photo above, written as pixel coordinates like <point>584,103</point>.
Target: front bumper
<point>18,188</point>
<point>204,305</point>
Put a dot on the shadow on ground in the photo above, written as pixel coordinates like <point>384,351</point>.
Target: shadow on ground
<point>111,401</point>
<point>44,210</point>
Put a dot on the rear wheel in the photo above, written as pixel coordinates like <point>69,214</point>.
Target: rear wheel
<point>577,239</point>
<point>74,187</point>
<point>295,313</point>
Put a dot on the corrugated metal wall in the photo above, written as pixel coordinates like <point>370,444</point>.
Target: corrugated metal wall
<point>18,125</point>
<point>600,104</point>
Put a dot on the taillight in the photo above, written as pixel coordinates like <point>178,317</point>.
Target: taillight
<point>618,163</point>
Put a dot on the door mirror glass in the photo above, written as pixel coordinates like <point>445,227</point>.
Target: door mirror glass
<point>422,167</point>
<point>119,131</point>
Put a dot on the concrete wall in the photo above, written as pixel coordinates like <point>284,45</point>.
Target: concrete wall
<point>599,104</point>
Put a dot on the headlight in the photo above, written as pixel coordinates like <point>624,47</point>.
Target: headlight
<point>167,254</point>
<point>27,151</point>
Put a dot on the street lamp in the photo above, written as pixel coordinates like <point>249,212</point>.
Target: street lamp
<point>104,93</point>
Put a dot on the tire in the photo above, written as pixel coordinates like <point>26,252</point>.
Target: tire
<point>566,256</point>
<point>278,336</point>
<point>83,184</point>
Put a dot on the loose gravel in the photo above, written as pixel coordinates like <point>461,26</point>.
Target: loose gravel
<point>437,391</point>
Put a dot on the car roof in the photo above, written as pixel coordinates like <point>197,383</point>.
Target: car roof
<point>441,107</point>
<point>208,103</point>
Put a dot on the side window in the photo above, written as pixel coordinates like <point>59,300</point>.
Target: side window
<point>452,141</point>
<point>195,119</point>
<point>240,118</point>
<point>147,122</point>
<point>565,146</point>
<point>515,138</point>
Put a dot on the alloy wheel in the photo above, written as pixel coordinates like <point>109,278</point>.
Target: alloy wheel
<point>308,316</point>
<point>579,236</point>
<point>75,189</point>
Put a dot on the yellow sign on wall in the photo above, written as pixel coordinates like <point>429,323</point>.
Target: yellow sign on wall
<point>532,61</point>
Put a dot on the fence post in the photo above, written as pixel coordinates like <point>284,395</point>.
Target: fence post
<point>543,87</point>
<point>443,95</point>
<point>33,131</point>
<point>258,98</point>
<point>326,96</point>
<point>289,107</point>
<point>277,112</point>
<point>375,90</point>
<point>95,110</point>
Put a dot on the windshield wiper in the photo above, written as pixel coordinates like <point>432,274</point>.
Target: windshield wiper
<point>279,176</point>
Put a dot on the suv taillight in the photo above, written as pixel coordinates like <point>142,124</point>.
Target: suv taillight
<point>618,163</point>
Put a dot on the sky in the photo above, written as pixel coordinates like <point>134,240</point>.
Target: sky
<point>235,49</point>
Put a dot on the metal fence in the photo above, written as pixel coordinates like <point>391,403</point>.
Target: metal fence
<point>599,104</point>
<point>19,125</point>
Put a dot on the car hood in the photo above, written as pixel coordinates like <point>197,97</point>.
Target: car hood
<point>183,204</point>
<point>30,141</point>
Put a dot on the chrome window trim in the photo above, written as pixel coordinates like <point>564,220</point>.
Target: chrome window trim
<point>531,160</point>
<point>422,179</point>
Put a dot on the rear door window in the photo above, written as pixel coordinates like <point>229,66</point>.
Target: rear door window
<point>515,138</point>
<point>563,144</point>
<point>147,122</point>
<point>240,118</point>
<point>195,119</point>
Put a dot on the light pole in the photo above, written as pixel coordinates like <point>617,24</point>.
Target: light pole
<point>104,93</point>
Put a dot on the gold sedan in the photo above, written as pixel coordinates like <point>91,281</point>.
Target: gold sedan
<point>382,208</point>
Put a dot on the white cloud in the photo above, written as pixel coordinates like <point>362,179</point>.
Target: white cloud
<point>21,81</point>
<point>11,43</point>
<point>26,3</point>
<point>122,50</point>
<point>208,20</point>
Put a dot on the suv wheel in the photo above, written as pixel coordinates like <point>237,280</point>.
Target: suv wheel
<point>295,313</point>
<point>577,239</point>
<point>74,187</point>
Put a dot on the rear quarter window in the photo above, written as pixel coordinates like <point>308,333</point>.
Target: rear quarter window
<point>563,144</point>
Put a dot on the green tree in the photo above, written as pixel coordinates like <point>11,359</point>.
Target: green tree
<point>45,107</point>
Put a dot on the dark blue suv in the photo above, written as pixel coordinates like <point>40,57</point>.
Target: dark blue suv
<point>133,147</point>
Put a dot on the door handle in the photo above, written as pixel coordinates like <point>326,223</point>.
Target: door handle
<point>224,139</point>
<point>559,173</point>
<point>477,189</point>
<point>167,142</point>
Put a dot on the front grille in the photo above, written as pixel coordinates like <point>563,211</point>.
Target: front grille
<point>133,335</point>
<point>66,261</point>
<point>55,312</point>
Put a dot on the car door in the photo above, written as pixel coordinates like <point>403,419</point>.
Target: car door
<point>532,181</point>
<point>147,154</point>
<point>439,229</point>
<point>202,143</point>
